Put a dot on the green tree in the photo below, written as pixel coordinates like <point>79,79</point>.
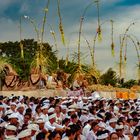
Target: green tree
<point>11,50</point>
<point>130,83</point>
<point>109,77</point>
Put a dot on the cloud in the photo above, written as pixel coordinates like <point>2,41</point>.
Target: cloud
<point>71,12</point>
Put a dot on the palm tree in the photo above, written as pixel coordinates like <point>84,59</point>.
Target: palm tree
<point>109,78</point>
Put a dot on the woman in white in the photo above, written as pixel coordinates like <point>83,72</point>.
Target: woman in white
<point>59,115</point>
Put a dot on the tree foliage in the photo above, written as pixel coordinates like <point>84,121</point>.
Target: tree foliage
<point>109,77</point>
<point>11,50</point>
<point>130,83</point>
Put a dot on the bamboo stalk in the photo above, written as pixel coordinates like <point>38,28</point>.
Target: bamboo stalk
<point>60,23</point>
<point>121,48</point>
<point>138,55</point>
<point>44,20</point>
<point>56,46</point>
<point>79,35</point>
<point>21,45</point>
<point>112,39</point>
<point>99,30</point>
<point>91,52</point>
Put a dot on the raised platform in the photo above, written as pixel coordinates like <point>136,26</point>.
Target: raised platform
<point>57,92</point>
<point>36,93</point>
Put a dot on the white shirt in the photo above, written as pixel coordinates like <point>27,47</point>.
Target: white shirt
<point>125,137</point>
<point>58,125</point>
<point>45,117</point>
<point>49,126</point>
<point>59,119</point>
<point>86,130</point>
<point>110,129</point>
<point>65,138</point>
<point>83,119</point>
<point>91,136</point>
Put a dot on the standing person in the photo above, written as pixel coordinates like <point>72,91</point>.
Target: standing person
<point>87,127</point>
<point>52,125</point>
<point>26,121</point>
<point>59,115</point>
<point>74,119</point>
<point>44,113</point>
<point>37,112</point>
<point>112,125</point>
<point>70,133</point>
<point>136,133</point>
<point>79,135</point>
<point>92,133</point>
<point>120,132</point>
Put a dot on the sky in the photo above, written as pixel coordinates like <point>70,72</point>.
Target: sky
<point>122,12</point>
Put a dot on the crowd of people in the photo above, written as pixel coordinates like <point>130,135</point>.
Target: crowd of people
<point>69,118</point>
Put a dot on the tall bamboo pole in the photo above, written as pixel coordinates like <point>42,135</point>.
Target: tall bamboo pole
<point>44,20</point>
<point>60,23</point>
<point>21,45</point>
<point>79,36</point>
<point>94,43</point>
<point>138,55</point>
<point>112,38</point>
<point>121,48</point>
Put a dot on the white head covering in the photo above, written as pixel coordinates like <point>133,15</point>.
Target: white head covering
<point>64,107</point>
<point>101,124</point>
<point>13,103</point>
<point>112,120</point>
<point>21,98</point>
<point>45,107</point>
<point>119,127</point>
<point>102,136</point>
<point>91,118</point>
<point>33,127</point>
<point>11,127</point>
<point>20,105</point>
<point>52,116</point>
<point>46,101</point>
<point>51,110</point>
<point>40,120</point>
<point>24,133</point>
<point>13,115</point>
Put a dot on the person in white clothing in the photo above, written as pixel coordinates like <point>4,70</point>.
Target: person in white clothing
<point>10,132</point>
<point>44,114</point>
<point>112,125</point>
<point>87,127</point>
<point>120,132</point>
<point>51,125</point>
<point>92,133</point>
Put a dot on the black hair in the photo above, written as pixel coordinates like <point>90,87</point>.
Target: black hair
<point>136,120</point>
<point>53,134</point>
<point>73,116</point>
<point>71,131</point>
<point>41,136</point>
<point>93,124</point>
<point>136,131</point>
<point>65,120</point>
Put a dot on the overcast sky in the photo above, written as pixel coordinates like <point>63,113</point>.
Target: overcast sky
<point>122,12</point>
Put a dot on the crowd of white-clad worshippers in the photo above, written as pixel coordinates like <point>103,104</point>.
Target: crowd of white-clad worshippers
<point>69,118</point>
